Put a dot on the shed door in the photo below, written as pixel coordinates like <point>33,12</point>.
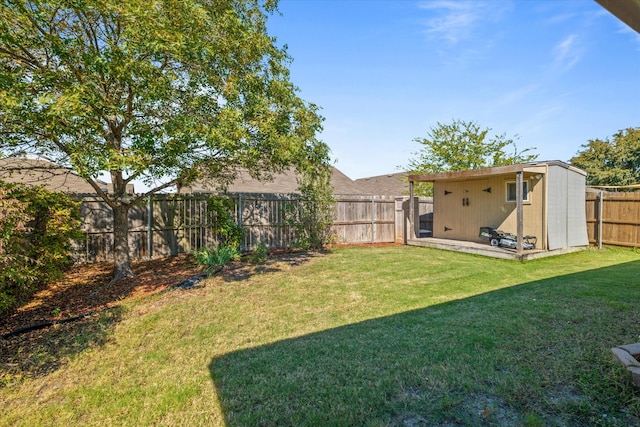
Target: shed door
<point>463,209</point>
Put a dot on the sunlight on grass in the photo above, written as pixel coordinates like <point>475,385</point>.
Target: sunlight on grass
<point>363,336</point>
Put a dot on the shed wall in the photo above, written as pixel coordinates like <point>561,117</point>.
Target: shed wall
<point>557,201</point>
<point>566,214</point>
<point>462,207</point>
<point>576,213</point>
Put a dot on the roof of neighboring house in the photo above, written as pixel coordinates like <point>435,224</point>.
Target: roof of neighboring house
<point>533,167</point>
<point>286,182</point>
<point>38,172</point>
<point>393,184</point>
<point>43,173</point>
<point>58,178</point>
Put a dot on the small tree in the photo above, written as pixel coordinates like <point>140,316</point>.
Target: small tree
<point>313,214</point>
<point>220,209</point>
<point>461,146</point>
<point>611,161</point>
<point>227,232</point>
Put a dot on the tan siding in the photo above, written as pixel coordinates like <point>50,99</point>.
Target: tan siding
<point>484,205</point>
<point>533,210</point>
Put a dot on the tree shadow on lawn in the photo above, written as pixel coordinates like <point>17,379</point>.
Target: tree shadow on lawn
<point>40,352</point>
<point>277,261</point>
<point>532,354</point>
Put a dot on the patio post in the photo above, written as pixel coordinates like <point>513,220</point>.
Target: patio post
<point>412,228</point>
<point>519,210</point>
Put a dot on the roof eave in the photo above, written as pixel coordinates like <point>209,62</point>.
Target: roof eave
<point>533,167</point>
<point>628,11</point>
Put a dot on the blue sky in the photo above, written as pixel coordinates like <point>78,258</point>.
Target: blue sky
<point>554,73</point>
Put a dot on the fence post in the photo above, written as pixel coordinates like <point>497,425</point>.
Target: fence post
<point>373,219</point>
<point>149,228</point>
<point>239,219</point>
<point>600,210</point>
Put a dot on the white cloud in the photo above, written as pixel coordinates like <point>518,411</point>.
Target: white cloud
<point>517,95</point>
<point>454,20</point>
<point>567,53</point>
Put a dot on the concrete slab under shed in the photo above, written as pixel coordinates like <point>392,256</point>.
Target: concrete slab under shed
<point>486,249</point>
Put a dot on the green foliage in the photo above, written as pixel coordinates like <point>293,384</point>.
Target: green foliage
<point>36,232</point>
<point>221,211</point>
<point>215,259</point>
<point>168,94</point>
<point>16,272</point>
<point>259,254</point>
<point>612,161</point>
<point>462,146</point>
<point>313,213</point>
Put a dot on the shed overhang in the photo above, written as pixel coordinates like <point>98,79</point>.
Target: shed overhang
<point>531,168</point>
<point>628,11</point>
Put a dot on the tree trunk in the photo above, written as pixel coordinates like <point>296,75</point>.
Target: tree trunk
<point>121,258</point>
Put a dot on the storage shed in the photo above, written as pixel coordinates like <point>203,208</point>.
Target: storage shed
<point>541,199</point>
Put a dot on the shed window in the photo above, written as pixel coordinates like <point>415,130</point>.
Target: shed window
<point>511,191</point>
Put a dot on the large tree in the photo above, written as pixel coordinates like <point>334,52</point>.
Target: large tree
<point>464,145</point>
<point>165,92</point>
<point>611,161</point>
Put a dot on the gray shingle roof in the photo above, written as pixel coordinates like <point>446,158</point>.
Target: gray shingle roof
<point>38,172</point>
<point>58,178</point>
<point>42,173</point>
<point>394,184</point>
<point>286,182</point>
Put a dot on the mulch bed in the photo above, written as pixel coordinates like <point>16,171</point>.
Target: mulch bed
<point>77,311</point>
<point>85,288</point>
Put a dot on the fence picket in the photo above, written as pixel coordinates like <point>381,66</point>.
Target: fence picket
<point>172,224</point>
<point>616,221</point>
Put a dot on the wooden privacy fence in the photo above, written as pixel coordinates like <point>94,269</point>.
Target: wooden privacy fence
<point>173,224</point>
<point>613,218</point>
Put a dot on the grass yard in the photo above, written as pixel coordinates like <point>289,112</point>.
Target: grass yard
<point>366,336</point>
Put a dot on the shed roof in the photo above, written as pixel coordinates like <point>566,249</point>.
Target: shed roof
<point>533,167</point>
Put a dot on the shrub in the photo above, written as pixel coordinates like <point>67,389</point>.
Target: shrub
<point>221,210</point>
<point>259,254</point>
<point>312,215</point>
<point>214,259</point>
<point>37,227</point>
<point>16,272</point>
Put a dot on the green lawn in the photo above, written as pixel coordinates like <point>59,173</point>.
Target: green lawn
<point>384,336</point>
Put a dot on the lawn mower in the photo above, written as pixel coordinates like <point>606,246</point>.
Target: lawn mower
<point>499,238</point>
